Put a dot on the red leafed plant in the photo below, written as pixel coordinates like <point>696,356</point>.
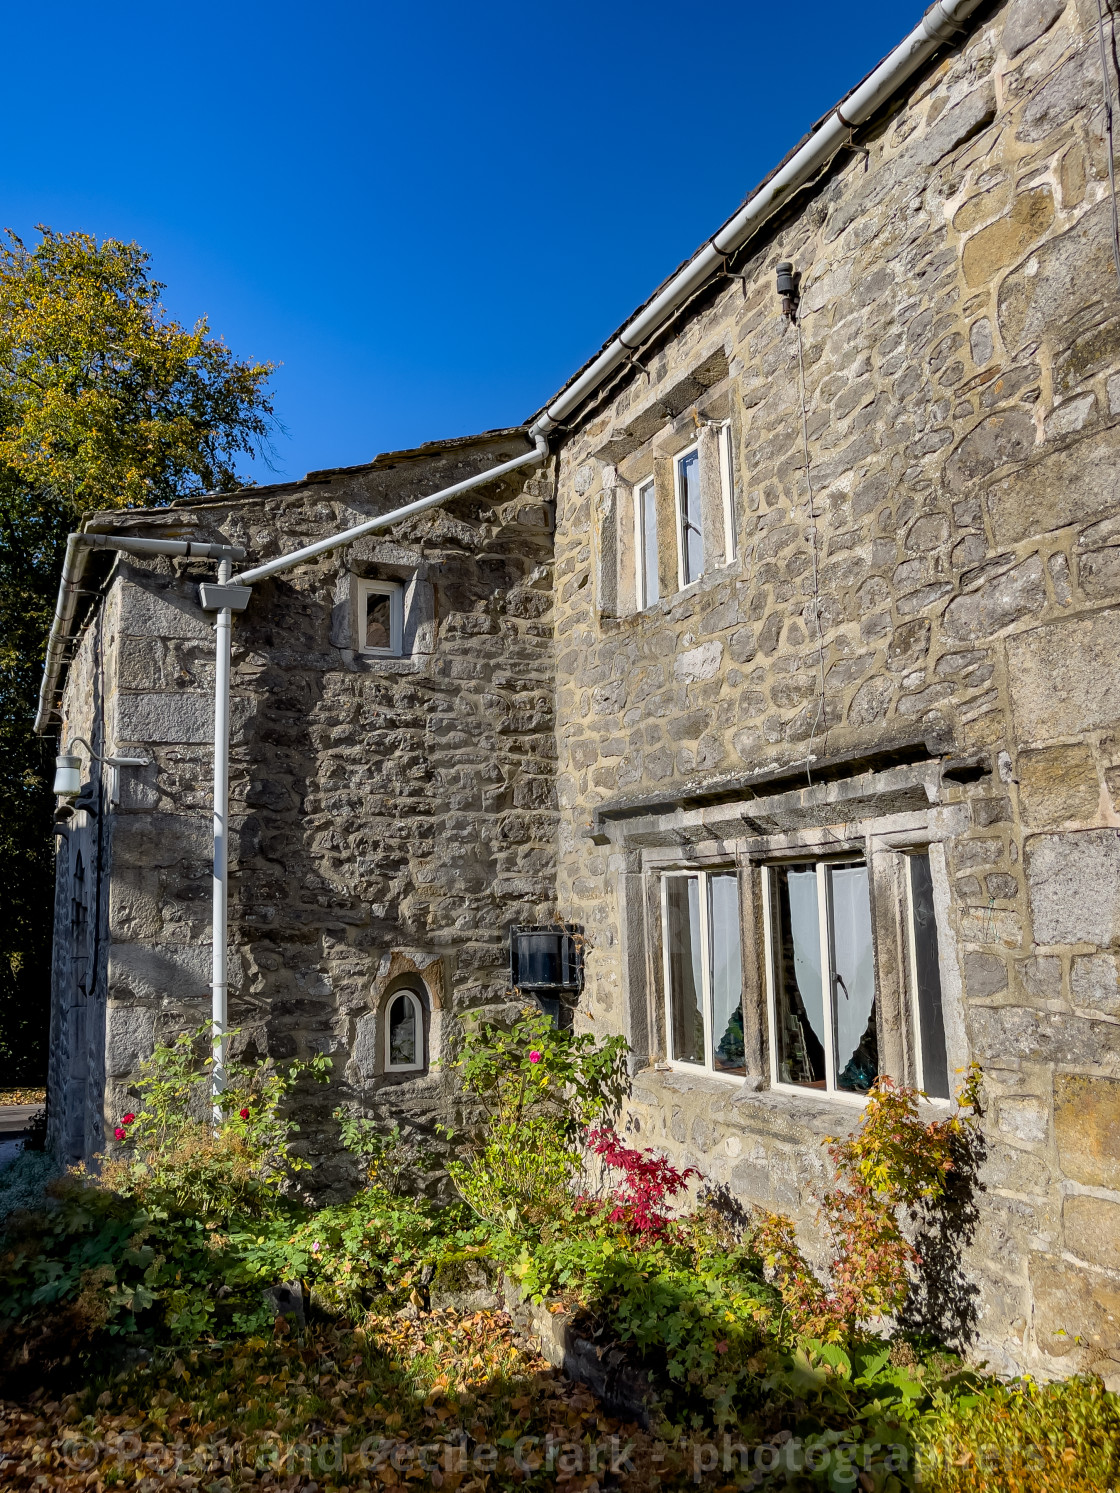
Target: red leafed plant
<point>646,1184</point>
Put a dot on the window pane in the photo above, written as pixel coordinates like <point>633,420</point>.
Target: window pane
<point>682,895</point>
<point>378,621</point>
<point>853,972</point>
<point>647,499</point>
<point>403,1036</point>
<point>797,978</point>
<point>692,536</point>
<point>729,1051</point>
<point>931,1021</point>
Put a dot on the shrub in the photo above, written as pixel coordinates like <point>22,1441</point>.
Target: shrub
<point>173,1153</point>
<point>24,1182</point>
<point>892,1164</point>
<point>648,1182</point>
<point>539,1089</point>
<point>688,1301</point>
<point>1021,1437</point>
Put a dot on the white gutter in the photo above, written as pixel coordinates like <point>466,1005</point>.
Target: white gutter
<point>938,25</point>
<point>78,547</point>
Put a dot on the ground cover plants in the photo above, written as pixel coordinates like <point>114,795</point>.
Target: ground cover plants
<point>142,1347</point>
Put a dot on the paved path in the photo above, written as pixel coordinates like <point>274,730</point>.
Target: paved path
<point>15,1119</point>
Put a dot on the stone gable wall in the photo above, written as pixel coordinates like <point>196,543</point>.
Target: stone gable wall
<point>389,818</point>
<point>960,320</point>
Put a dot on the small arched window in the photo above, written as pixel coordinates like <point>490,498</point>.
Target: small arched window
<point>404,1033</point>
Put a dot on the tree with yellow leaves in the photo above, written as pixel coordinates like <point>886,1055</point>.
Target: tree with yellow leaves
<point>105,402</point>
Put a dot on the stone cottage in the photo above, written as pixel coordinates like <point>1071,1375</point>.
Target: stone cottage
<point>789,678</point>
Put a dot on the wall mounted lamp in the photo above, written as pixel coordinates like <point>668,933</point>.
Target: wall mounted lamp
<point>68,767</point>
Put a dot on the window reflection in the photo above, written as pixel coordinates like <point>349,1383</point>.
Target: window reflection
<point>685,969</point>
<point>404,1034</point>
<point>800,1034</point>
<point>853,980</point>
<point>728,1045</point>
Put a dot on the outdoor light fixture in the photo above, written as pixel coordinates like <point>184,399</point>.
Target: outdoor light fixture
<point>787,288</point>
<point>545,959</point>
<point>67,776</point>
<point>68,767</point>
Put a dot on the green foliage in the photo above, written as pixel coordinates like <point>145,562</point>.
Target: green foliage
<point>104,402</point>
<point>175,1155</point>
<point>517,1175</point>
<point>539,1089</point>
<point>534,1068</point>
<point>24,1182</point>
<point>691,1303</point>
<point>892,1163</point>
<point>986,1437</point>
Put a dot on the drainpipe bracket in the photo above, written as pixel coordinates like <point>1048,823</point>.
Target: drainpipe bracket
<point>215,597</point>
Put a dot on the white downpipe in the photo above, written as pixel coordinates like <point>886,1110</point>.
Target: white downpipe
<point>386,520</point>
<point>939,23</point>
<point>223,628</point>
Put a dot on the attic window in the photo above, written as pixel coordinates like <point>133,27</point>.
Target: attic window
<point>381,619</point>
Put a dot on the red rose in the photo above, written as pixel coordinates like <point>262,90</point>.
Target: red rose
<point>127,1119</point>
<point>119,1133</point>
<point>244,1114</point>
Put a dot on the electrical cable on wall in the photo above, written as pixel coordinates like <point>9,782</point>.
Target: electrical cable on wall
<point>812,542</point>
<point>1108,124</point>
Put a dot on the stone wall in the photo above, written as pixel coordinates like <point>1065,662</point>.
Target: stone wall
<point>390,818</point>
<point>959,550</point>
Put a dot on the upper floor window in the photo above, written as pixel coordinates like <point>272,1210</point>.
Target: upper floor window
<point>381,618</point>
<point>703,970</point>
<point>690,516</point>
<point>704,493</point>
<point>645,544</point>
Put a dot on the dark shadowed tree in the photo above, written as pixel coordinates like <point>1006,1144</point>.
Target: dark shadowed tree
<point>105,402</point>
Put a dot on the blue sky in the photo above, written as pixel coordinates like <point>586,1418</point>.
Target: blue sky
<point>428,214</point>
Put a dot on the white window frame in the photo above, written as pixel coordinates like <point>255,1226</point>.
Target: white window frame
<point>683,579</point>
<point>727,488</point>
<point>702,873</point>
<point>394,590</point>
<point>418,1016</point>
<point>641,589</point>
<point>828,992</point>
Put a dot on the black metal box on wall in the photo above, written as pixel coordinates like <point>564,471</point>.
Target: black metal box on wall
<point>543,959</point>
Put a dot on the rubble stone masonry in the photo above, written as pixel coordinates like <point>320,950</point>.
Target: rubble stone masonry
<point>389,817</point>
<point>908,641</point>
<point>960,325</point>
